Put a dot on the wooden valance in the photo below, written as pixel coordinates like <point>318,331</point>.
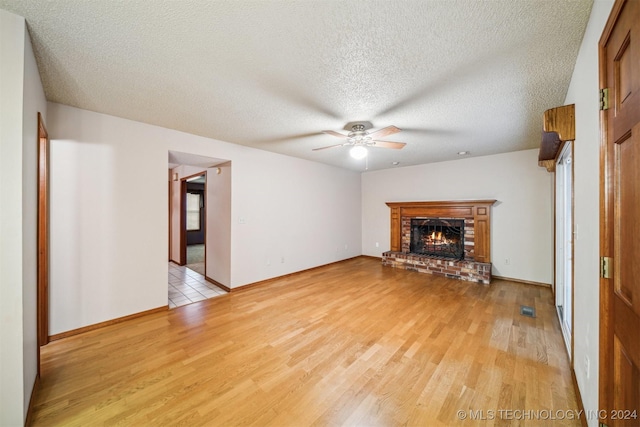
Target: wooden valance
<point>558,126</point>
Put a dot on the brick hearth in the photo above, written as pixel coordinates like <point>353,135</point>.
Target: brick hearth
<point>471,271</point>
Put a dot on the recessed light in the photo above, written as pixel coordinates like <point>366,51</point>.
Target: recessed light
<point>462,153</point>
<point>395,163</point>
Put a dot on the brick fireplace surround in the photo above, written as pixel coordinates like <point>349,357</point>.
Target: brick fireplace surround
<point>476,265</point>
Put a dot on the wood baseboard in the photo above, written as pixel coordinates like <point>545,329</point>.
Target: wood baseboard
<point>583,418</point>
<point>526,282</point>
<point>34,390</point>
<point>274,279</point>
<point>107,323</point>
<point>218,284</point>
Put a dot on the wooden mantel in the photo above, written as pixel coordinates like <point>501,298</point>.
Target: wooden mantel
<point>478,210</point>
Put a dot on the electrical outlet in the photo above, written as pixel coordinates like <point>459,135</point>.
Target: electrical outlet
<point>507,261</point>
<point>268,262</point>
<point>346,247</point>
<point>377,245</point>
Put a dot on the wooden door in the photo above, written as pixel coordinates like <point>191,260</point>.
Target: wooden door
<point>620,217</point>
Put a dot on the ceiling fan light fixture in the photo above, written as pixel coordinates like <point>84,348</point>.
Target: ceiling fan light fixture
<point>358,152</point>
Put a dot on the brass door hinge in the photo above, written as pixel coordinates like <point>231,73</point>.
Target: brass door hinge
<point>604,99</point>
<point>605,267</point>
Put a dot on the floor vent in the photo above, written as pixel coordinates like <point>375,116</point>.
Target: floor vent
<point>525,310</point>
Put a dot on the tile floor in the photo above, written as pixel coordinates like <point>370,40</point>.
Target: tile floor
<point>187,286</point>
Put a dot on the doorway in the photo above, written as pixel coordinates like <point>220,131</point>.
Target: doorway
<point>194,227</point>
<point>212,211</point>
<point>43,237</point>
<point>564,243</point>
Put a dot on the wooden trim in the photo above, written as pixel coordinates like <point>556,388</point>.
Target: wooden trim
<point>43,237</point>
<point>205,201</point>
<point>576,389</point>
<point>606,33</point>
<point>295,273</point>
<point>561,120</point>
<point>183,216</point>
<point>183,222</point>
<point>169,216</point>
<point>605,344</point>
<point>558,126</point>
<point>478,210</point>
<point>106,323</point>
<point>34,391</point>
<point>218,284</point>
<point>445,203</point>
<point>525,282</point>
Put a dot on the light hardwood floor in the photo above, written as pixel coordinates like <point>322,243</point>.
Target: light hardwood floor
<point>353,343</point>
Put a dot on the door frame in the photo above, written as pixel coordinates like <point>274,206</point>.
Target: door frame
<point>43,237</point>
<point>606,210</point>
<point>605,353</point>
<point>561,154</point>
<point>183,218</point>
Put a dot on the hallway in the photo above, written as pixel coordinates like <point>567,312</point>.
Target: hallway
<point>187,286</point>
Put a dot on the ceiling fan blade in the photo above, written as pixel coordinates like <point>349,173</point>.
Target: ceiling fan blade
<point>389,130</point>
<point>329,146</point>
<point>334,133</point>
<point>389,144</point>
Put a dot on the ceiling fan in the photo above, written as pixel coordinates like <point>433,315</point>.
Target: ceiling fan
<point>359,139</point>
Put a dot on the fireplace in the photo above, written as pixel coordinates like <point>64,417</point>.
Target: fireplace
<point>442,237</point>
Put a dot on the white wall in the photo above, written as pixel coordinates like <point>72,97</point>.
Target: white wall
<point>218,244</point>
<point>521,220</point>
<point>34,102</point>
<point>109,217</point>
<point>287,214</point>
<point>21,97</point>
<point>12,385</point>
<point>583,91</point>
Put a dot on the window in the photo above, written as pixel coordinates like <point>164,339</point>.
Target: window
<point>194,201</point>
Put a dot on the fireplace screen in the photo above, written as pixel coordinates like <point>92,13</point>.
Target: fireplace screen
<point>437,236</point>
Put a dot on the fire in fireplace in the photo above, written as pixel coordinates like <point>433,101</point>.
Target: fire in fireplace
<point>443,237</point>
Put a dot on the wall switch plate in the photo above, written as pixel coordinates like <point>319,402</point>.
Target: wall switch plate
<point>586,365</point>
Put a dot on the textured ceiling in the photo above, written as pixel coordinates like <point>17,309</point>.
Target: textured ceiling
<point>454,75</point>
